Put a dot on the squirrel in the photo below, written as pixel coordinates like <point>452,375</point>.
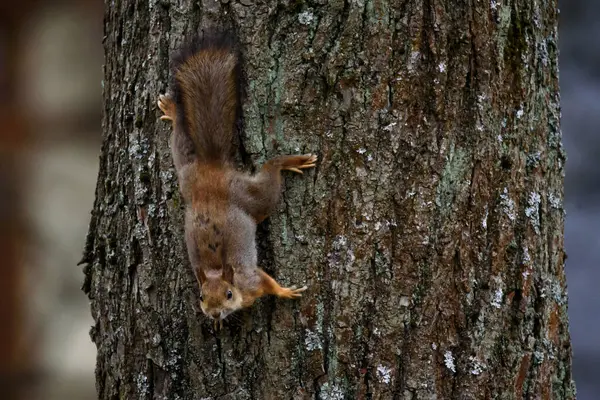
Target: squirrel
<point>223,206</point>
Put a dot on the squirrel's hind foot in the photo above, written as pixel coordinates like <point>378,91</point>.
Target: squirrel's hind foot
<point>291,292</point>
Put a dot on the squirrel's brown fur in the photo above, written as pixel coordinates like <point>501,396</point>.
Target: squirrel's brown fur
<point>223,206</point>
<point>206,81</point>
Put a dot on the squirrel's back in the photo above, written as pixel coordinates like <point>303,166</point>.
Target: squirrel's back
<point>206,88</point>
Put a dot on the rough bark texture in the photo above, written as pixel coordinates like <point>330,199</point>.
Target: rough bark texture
<point>430,235</point>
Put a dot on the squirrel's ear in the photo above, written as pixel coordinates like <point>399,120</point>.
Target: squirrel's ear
<point>200,277</point>
<point>228,273</point>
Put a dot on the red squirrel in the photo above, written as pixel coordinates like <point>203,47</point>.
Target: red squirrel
<point>222,205</point>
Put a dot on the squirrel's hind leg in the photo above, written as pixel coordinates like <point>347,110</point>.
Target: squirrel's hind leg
<point>258,195</point>
<point>270,286</point>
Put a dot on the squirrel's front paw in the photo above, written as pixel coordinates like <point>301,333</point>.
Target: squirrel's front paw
<point>167,106</point>
<point>291,292</point>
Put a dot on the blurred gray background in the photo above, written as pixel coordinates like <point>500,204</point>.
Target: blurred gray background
<point>580,94</point>
<point>51,57</point>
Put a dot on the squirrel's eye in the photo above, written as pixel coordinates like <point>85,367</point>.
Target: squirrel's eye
<point>229,295</point>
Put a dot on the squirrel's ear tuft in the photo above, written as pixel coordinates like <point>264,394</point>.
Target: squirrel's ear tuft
<point>228,273</point>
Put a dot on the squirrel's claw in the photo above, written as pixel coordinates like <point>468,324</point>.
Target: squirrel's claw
<point>307,166</point>
<point>166,105</point>
<point>309,162</point>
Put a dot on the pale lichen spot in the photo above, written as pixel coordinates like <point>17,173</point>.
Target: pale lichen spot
<point>331,392</point>
<point>532,210</point>
<point>497,298</point>
<point>390,126</point>
<point>414,58</point>
<point>477,368</point>
<point>384,374</point>
<point>339,242</point>
<point>558,292</point>
<point>508,205</point>
<point>142,384</point>
<point>338,258</point>
<point>442,67</point>
<point>306,17</point>
<point>533,159</point>
<point>526,256</point>
<point>312,341</point>
<point>449,361</point>
<point>538,356</point>
<point>485,218</point>
<point>555,201</point>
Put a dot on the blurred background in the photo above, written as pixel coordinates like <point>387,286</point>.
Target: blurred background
<point>50,88</point>
<point>579,31</point>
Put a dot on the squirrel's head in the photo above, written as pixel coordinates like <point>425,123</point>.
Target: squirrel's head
<point>219,297</point>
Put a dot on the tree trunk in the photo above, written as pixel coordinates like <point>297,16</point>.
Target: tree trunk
<point>430,234</point>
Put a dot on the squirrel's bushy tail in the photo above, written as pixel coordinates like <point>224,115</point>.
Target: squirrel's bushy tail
<point>206,85</point>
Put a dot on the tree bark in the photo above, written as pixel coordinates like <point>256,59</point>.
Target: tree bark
<point>430,234</point>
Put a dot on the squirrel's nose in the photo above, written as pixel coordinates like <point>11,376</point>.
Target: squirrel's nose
<point>216,315</point>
